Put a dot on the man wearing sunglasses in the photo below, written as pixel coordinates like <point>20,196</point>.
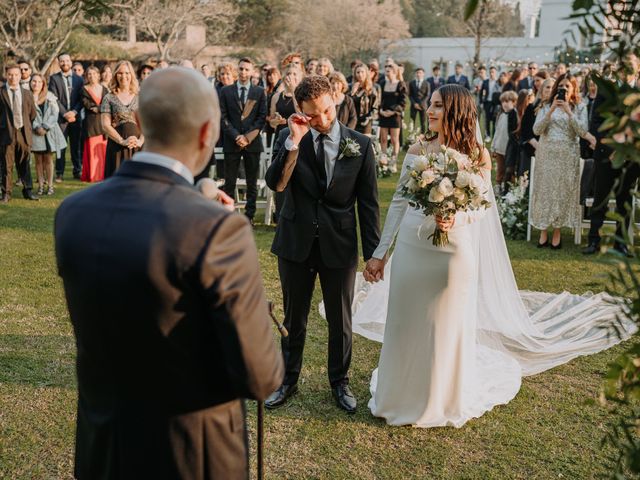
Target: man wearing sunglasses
<point>25,75</point>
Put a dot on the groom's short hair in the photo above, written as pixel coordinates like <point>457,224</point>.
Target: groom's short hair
<point>312,87</point>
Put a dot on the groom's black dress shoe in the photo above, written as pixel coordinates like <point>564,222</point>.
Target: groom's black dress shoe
<point>345,398</point>
<point>280,396</point>
<point>591,249</point>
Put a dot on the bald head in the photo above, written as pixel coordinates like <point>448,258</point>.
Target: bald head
<point>174,105</point>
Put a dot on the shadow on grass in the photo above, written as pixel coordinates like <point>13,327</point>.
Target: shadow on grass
<point>38,360</point>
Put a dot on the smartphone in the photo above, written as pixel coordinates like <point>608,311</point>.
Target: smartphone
<point>562,94</point>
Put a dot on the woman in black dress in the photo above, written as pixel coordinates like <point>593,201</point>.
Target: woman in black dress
<point>118,122</point>
<point>512,83</point>
<point>345,108</point>
<point>283,103</point>
<point>529,140</point>
<point>392,104</point>
<point>95,144</point>
<point>273,82</point>
<point>365,98</point>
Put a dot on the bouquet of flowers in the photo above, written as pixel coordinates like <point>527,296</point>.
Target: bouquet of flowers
<point>514,209</point>
<point>382,162</point>
<point>444,183</point>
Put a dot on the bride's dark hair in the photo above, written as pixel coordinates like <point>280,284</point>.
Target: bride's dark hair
<point>459,119</point>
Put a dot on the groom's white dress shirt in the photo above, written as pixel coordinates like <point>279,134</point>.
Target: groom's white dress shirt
<point>331,147</point>
<point>165,162</point>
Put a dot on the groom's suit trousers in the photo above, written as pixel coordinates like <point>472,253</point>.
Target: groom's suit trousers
<point>298,281</point>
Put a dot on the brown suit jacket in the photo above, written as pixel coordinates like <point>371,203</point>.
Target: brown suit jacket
<point>172,328</point>
<point>7,129</point>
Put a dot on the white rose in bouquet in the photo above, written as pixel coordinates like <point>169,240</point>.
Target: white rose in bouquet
<point>435,196</point>
<point>461,159</point>
<point>445,187</point>
<point>462,179</point>
<point>461,195</point>
<point>420,164</point>
<point>476,182</point>
<point>428,176</point>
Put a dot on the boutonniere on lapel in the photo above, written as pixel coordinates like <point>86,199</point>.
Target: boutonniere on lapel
<point>348,148</point>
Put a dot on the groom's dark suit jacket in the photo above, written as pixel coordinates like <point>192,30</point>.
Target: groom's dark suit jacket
<point>172,328</point>
<point>308,210</point>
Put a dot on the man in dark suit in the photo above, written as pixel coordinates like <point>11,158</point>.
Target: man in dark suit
<point>435,82</point>
<point>527,81</point>
<point>244,113</point>
<point>324,169</point>
<point>459,78</point>
<point>489,86</point>
<point>67,87</point>
<point>419,93</point>
<point>607,178</point>
<point>17,112</point>
<point>167,304</point>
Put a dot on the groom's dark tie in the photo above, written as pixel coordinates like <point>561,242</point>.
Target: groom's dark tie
<point>320,161</point>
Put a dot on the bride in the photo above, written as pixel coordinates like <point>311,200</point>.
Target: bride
<point>458,336</point>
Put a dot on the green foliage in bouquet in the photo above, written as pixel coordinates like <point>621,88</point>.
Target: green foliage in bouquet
<point>513,208</point>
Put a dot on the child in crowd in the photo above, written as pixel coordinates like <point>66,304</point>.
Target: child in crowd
<point>506,123</point>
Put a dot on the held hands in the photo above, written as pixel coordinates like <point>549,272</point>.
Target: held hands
<point>298,126</point>
<point>132,142</point>
<point>445,224</point>
<point>374,270</point>
<point>592,140</point>
<point>242,141</point>
<point>70,117</point>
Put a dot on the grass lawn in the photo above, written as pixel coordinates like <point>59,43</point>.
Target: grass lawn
<point>552,429</point>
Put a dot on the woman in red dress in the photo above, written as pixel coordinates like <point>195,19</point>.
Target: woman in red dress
<point>95,143</point>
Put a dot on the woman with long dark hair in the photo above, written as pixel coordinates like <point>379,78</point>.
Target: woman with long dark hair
<point>95,144</point>
<point>555,196</point>
<point>457,336</point>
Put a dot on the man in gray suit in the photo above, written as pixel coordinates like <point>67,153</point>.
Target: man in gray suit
<point>167,304</point>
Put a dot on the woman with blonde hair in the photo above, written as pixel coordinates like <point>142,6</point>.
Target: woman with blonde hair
<point>47,135</point>
<point>365,98</point>
<point>118,121</point>
<point>392,103</point>
<point>325,67</point>
<point>345,107</point>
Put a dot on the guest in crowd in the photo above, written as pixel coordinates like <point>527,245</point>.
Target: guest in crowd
<point>365,98</point>
<point>106,75</point>
<point>514,157</point>
<point>118,118</point>
<point>556,180</point>
<point>345,108</point>
<point>272,86</point>
<point>78,69</point>
<point>514,80</point>
<point>311,66</point>
<point>17,112</point>
<point>526,83</point>
<point>538,80</point>
<point>487,89</point>
<point>295,58</point>
<point>352,65</point>
<point>459,78</point>
<point>226,74</point>
<point>67,87</point>
<point>263,70</point>
<point>528,139</point>
<point>244,112</point>
<point>506,122</point>
<point>25,75</point>
<point>143,72</point>
<point>435,81</point>
<point>283,103</point>
<point>325,67</point>
<point>95,143</point>
<point>206,71</point>
<point>561,69</point>
<point>419,94</point>
<point>392,104</point>
<point>48,139</point>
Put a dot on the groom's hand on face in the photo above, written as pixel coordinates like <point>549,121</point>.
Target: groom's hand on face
<point>298,126</point>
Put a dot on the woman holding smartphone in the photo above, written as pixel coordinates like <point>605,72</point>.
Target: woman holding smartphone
<point>561,122</point>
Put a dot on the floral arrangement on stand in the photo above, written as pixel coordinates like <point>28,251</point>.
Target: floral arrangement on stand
<point>382,162</point>
<point>412,134</point>
<point>513,208</point>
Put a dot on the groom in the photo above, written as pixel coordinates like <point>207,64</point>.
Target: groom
<point>324,169</point>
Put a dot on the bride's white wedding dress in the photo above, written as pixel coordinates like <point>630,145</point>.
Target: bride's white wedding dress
<point>457,335</point>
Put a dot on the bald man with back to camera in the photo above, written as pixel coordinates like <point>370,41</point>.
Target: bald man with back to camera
<point>167,304</point>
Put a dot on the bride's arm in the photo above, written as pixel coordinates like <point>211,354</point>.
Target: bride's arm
<point>397,209</point>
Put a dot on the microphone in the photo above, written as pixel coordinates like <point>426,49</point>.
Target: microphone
<point>208,188</point>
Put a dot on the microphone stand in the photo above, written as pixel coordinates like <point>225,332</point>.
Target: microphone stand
<point>283,333</point>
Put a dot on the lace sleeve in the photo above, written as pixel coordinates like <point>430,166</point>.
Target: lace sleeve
<point>395,214</point>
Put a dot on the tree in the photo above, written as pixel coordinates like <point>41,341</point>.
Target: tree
<point>341,30</point>
<point>37,31</point>
<point>164,21</point>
